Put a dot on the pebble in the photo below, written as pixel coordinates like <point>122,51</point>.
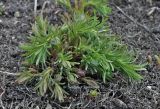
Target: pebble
<point>13,38</point>
<point>49,106</point>
<point>17,14</point>
<point>149,87</point>
<point>130,1</point>
<point>1,4</point>
<point>15,68</point>
<point>0,21</point>
<point>37,107</point>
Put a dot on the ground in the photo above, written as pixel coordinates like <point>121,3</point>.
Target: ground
<point>130,19</point>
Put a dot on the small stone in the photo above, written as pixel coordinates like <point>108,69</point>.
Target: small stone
<point>130,1</point>
<point>17,14</point>
<point>17,107</point>
<point>149,87</point>
<point>0,37</point>
<point>14,68</point>
<point>37,107</point>
<point>49,106</point>
<point>13,38</point>
<point>0,21</point>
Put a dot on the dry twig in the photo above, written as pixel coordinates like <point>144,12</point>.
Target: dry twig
<point>139,24</point>
<point>87,104</point>
<point>2,91</point>
<point>44,5</point>
<point>35,8</point>
<point>8,73</point>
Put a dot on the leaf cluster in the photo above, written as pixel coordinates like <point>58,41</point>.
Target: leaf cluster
<point>67,53</point>
<point>84,8</point>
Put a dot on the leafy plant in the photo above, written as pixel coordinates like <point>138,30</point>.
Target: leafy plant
<point>65,54</point>
<point>93,93</point>
<point>1,9</point>
<point>86,6</point>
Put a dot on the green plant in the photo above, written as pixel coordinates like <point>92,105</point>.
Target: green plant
<point>1,9</point>
<point>93,93</point>
<point>65,54</point>
<point>86,6</point>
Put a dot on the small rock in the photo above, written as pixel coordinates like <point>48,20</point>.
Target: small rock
<point>149,87</point>
<point>37,107</point>
<point>1,4</point>
<point>0,21</point>
<point>17,14</point>
<point>17,107</point>
<point>130,1</point>
<point>13,38</point>
<point>49,106</point>
<point>14,68</point>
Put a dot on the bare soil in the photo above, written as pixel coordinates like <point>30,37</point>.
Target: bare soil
<point>140,31</point>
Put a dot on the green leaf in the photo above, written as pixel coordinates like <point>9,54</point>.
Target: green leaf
<point>44,81</point>
<point>25,77</point>
<point>59,92</point>
<point>90,82</point>
<point>93,93</point>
